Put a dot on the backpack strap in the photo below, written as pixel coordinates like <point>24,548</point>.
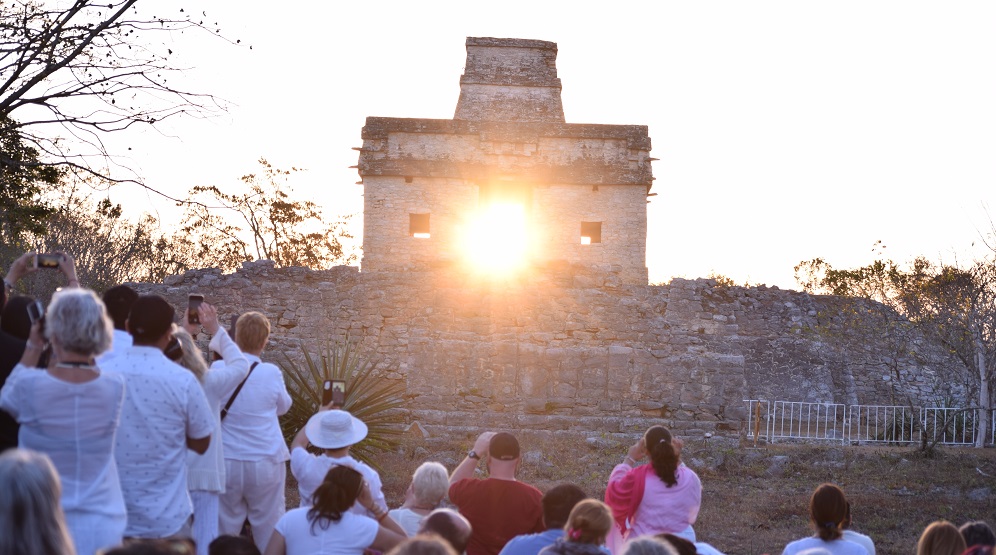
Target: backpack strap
<point>228,405</point>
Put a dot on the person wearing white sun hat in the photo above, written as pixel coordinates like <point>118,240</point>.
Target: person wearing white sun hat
<point>334,431</point>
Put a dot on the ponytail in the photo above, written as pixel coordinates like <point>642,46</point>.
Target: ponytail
<point>662,454</point>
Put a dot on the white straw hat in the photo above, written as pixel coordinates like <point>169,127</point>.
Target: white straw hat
<point>334,429</point>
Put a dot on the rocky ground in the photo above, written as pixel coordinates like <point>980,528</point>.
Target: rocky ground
<point>755,500</point>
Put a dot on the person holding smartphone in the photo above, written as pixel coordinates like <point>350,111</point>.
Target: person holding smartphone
<point>11,348</point>
<point>71,411</point>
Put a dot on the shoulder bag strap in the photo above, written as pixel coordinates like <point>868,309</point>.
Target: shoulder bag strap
<point>228,405</point>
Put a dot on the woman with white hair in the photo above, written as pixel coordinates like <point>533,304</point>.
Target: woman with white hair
<point>31,522</point>
<point>206,473</point>
<point>430,482</point>
<point>70,411</point>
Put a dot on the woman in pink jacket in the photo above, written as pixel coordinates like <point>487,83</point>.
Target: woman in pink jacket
<point>656,498</point>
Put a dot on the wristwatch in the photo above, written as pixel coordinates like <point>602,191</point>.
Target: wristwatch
<point>473,455</point>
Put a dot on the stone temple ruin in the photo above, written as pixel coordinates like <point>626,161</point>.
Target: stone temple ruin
<point>576,340</point>
<point>423,179</point>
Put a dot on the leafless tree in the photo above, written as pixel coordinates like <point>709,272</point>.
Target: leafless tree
<point>71,72</point>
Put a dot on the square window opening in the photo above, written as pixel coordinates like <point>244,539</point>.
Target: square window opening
<point>418,226</point>
<point>591,232</point>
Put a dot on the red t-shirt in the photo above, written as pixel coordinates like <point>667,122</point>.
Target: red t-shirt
<point>498,510</point>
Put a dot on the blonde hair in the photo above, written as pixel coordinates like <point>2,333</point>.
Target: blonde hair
<point>252,329</point>
<point>31,518</point>
<point>941,538</point>
<point>589,522</point>
<point>192,359</point>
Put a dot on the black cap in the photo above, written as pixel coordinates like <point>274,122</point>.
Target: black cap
<point>503,447</point>
<point>150,317</point>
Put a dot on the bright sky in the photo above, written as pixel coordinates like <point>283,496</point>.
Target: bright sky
<point>786,130</point>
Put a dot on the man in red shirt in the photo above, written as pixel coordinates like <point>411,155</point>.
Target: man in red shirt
<point>498,507</point>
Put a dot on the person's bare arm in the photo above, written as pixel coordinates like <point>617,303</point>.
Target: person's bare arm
<point>386,538</point>
<point>277,545</point>
<point>199,446</point>
<point>466,467</point>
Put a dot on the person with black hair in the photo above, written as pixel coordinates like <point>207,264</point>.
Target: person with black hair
<point>977,533</point>
<point>328,527</point>
<point>15,320</point>
<point>661,497</point>
<point>827,513</point>
<point>557,505</point>
<point>232,545</point>
<point>165,413</point>
<point>118,300</point>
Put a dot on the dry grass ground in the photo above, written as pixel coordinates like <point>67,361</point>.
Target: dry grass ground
<point>755,500</point>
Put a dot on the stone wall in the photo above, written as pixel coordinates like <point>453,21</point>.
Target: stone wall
<point>569,347</point>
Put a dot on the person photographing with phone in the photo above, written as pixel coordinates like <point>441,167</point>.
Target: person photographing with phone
<point>334,431</point>
<point>71,411</point>
<point>11,348</point>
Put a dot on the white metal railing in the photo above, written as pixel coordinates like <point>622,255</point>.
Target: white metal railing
<point>795,420</point>
<point>954,426</point>
<point>882,424</point>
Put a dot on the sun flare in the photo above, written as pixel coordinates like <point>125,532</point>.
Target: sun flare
<point>496,240</point>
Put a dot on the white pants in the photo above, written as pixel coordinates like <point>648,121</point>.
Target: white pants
<point>253,490</point>
<point>205,527</point>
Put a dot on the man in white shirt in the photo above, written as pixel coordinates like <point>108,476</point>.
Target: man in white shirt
<point>118,300</point>
<point>165,412</point>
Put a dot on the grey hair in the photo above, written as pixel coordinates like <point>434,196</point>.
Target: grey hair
<point>78,322</point>
<point>192,359</point>
<point>430,482</point>
<point>31,518</point>
<point>649,545</point>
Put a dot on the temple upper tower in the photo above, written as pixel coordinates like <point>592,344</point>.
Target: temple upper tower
<point>506,172</point>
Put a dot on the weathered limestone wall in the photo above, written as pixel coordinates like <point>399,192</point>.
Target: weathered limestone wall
<point>566,348</point>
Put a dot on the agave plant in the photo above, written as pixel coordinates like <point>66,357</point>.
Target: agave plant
<point>368,397</point>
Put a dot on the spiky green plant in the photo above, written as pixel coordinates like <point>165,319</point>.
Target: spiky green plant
<point>369,397</point>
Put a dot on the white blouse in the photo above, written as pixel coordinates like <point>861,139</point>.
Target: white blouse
<point>207,472</point>
<point>75,425</point>
<point>251,431</point>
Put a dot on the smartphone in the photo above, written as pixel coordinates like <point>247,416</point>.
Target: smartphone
<point>334,391</point>
<point>47,260</point>
<point>35,312</point>
<point>193,304</point>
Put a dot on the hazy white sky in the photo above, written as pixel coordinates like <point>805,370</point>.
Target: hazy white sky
<point>786,130</point>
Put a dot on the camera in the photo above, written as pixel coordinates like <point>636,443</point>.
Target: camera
<point>35,312</point>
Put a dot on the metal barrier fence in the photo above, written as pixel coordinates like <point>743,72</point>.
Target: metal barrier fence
<point>794,420</point>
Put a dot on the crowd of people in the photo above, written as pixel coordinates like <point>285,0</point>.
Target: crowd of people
<point>118,437</point>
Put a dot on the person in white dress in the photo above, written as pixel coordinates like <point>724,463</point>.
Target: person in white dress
<point>71,412</point>
<point>206,473</point>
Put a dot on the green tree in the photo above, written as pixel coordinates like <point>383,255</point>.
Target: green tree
<point>23,184</point>
<point>952,305</point>
<point>262,222</point>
